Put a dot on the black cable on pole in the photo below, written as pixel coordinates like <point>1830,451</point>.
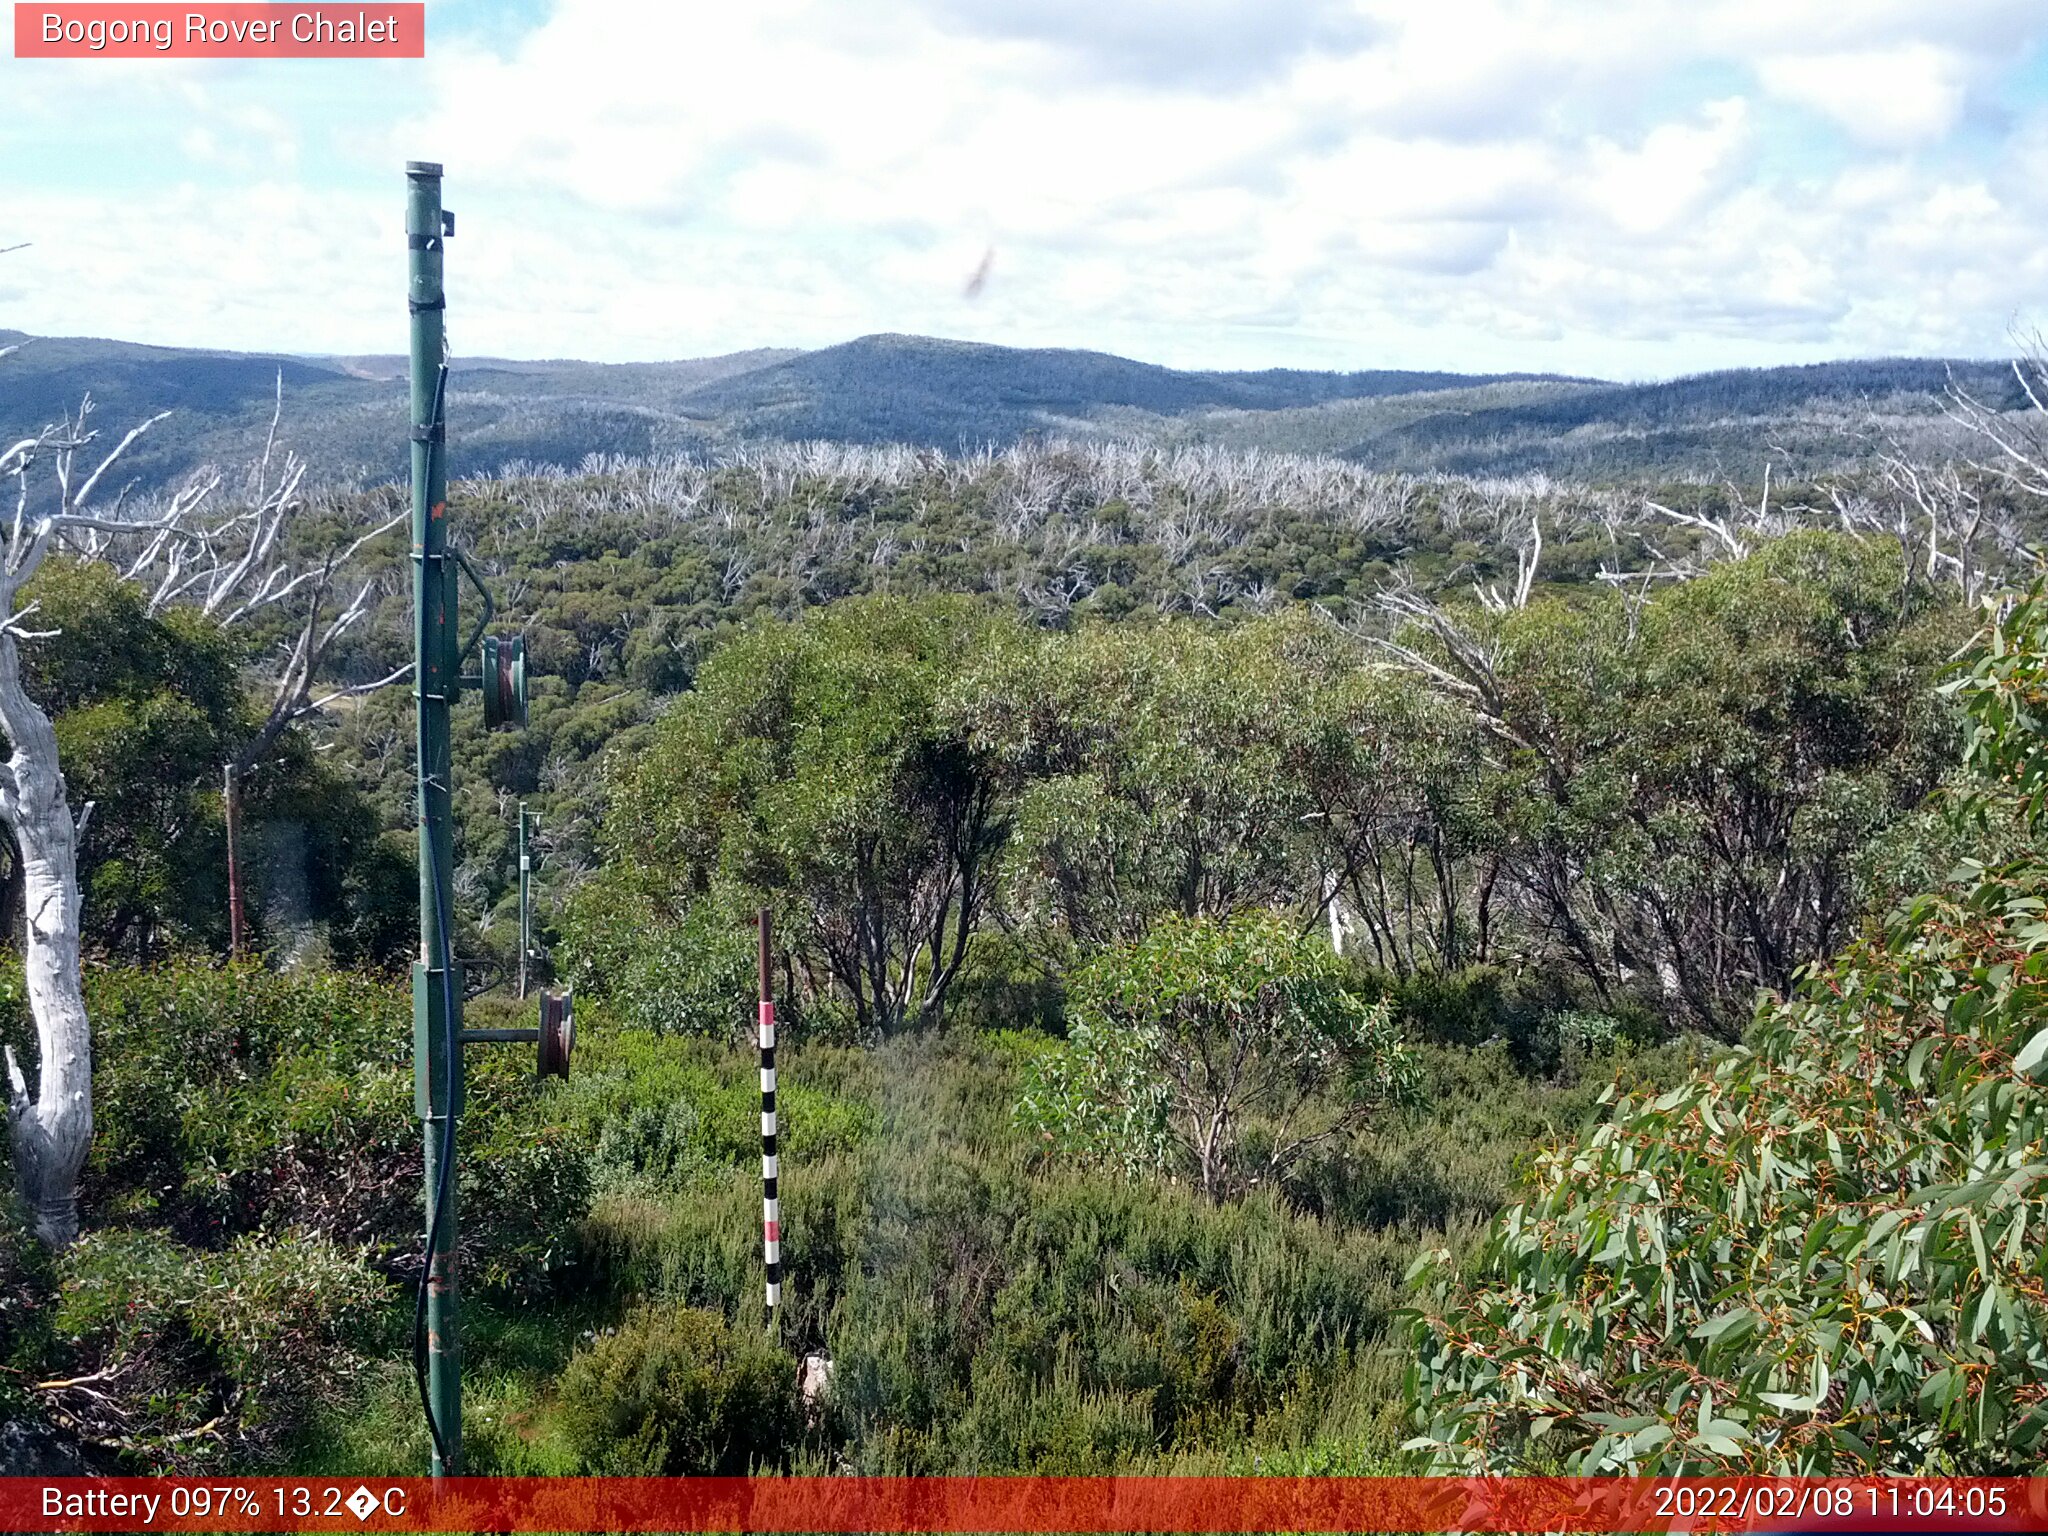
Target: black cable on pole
<point>771,1203</point>
<point>451,1038</point>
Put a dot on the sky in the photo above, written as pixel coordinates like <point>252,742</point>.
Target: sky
<point>1623,188</point>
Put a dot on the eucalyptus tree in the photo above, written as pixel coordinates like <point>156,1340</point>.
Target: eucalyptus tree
<point>1404,818</point>
<point>1819,1254</point>
<point>1155,770</point>
<point>1689,785</point>
<point>1218,1051</point>
<point>813,769</point>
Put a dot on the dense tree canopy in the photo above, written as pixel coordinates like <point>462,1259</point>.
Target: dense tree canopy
<point>147,709</point>
<point>1670,801</point>
<point>1823,1254</point>
<point>1153,760</point>
<point>1689,789</point>
<point>811,769</point>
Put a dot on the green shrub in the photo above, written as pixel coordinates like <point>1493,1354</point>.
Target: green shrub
<point>1217,1052</point>
<point>526,1189</point>
<point>312,1141</point>
<point>986,1308</point>
<point>233,1100</point>
<point>248,1341</point>
<point>675,1392</point>
<point>1005,985</point>
<point>1451,1166</point>
<point>663,1115</point>
<point>693,976</point>
<point>27,1309</point>
<point>1547,1017</point>
<point>986,1317</point>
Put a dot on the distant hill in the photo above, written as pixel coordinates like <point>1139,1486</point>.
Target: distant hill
<point>567,374</point>
<point>957,394</point>
<point>347,414</point>
<point>1728,412</point>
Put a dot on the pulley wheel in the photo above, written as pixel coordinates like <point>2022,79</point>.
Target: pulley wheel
<point>557,1032</point>
<point>504,681</point>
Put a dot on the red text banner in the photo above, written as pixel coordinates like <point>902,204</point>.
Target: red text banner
<point>374,31</point>
<point>1028,1504</point>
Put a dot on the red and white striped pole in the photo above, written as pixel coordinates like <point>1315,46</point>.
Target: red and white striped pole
<point>771,1204</point>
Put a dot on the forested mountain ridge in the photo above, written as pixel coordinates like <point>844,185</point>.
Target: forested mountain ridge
<point>1828,409</point>
<point>346,414</point>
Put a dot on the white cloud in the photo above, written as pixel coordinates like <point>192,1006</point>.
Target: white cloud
<point>1635,189</point>
<point>1166,42</point>
<point>1673,173</point>
<point>1892,97</point>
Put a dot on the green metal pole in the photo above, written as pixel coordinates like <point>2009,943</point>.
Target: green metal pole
<point>437,993</point>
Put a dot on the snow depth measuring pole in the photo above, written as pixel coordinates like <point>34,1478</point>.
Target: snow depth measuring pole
<point>771,1162</point>
<point>437,1033</point>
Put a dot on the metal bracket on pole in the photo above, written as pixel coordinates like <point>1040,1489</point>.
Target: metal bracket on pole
<point>490,608</point>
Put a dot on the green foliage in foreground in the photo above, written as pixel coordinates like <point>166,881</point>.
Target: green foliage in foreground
<point>255,1187</point>
<point>255,1337</point>
<point>1826,1253</point>
<point>235,1100</point>
<point>990,1307</point>
<point>995,1307</point>
<point>1207,1050</point>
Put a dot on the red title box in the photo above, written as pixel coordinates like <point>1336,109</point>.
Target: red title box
<point>372,31</point>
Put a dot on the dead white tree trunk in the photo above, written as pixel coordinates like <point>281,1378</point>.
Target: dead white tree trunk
<point>51,1129</point>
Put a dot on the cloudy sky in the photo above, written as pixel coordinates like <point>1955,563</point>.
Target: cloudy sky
<point>1632,188</point>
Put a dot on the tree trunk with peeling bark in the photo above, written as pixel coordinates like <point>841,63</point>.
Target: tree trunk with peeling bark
<point>51,1129</point>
